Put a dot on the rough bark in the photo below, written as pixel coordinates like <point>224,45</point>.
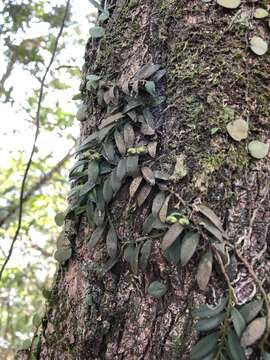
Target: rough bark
<point>209,68</point>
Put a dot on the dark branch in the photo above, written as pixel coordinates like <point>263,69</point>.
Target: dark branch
<point>35,140</point>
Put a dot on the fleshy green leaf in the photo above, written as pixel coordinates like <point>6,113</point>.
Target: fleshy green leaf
<point>150,87</point>
<point>148,175</point>
<point>188,247</point>
<point>107,191</point>
<point>121,170</point>
<point>129,135</point>
<point>210,215</point>
<point>172,254</point>
<point>111,242</point>
<point>145,254</point>
<point>204,346</point>
<point>96,236</point>
<point>134,186</point>
<point>238,321</point>
<point>210,323</point>
<point>59,219</point>
<point>251,310</point>
<point>171,235</point>
<point>157,203</point>
<point>63,254</point>
<point>93,171</point>
<point>132,163</point>
<point>253,332</point>
<point>143,194</point>
<point>97,32</point>
<point>36,320</point>
<point>157,289</point>
<point>204,270</point>
<point>235,350</point>
<point>206,311</point>
<point>131,255</point>
<point>146,71</point>
<point>104,15</point>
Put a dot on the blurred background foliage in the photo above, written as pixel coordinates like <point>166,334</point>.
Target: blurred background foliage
<point>28,31</point>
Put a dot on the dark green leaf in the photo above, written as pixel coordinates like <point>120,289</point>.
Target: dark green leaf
<point>109,151</point>
<point>96,236</point>
<point>251,310</point>
<point>104,15</point>
<point>171,235</point>
<point>204,210</point>
<point>148,175</point>
<point>266,355</point>
<point>36,320</point>
<point>129,135</point>
<point>157,289</point>
<point>235,350</point>
<point>161,175</point>
<point>158,100</point>
<point>158,202</point>
<point>164,209</point>
<point>104,132</point>
<point>89,142</point>
<point>211,229</point>
<point>150,87</point>
<point>132,163</point>
<point>112,119</point>
<point>63,254</point>
<point>111,242</point>
<point>189,245</point>
<point>204,346</point>
<point>121,170</point>
<point>107,191</point>
<point>99,216</point>
<point>238,321</point>
<point>146,71</point>
<point>93,171</point>
<point>115,182</point>
<point>145,254</point>
<point>109,265</point>
<point>90,214</point>
<point>26,344</point>
<point>59,219</point>
<point>96,32</point>
<point>148,224</point>
<point>206,311</point>
<point>147,130</point>
<point>148,117</point>
<point>131,255</point>
<point>132,104</point>
<point>134,186</point>
<point>172,254</point>
<point>143,194</point>
<point>210,323</point>
<point>158,75</point>
<point>204,270</point>
<point>119,141</point>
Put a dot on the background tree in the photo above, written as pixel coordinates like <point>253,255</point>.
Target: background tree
<point>110,303</point>
<point>28,33</point>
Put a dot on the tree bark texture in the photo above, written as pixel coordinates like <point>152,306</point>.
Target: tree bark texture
<point>212,77</point>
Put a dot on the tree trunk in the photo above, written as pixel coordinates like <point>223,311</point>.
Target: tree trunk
<point>212,78</point>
